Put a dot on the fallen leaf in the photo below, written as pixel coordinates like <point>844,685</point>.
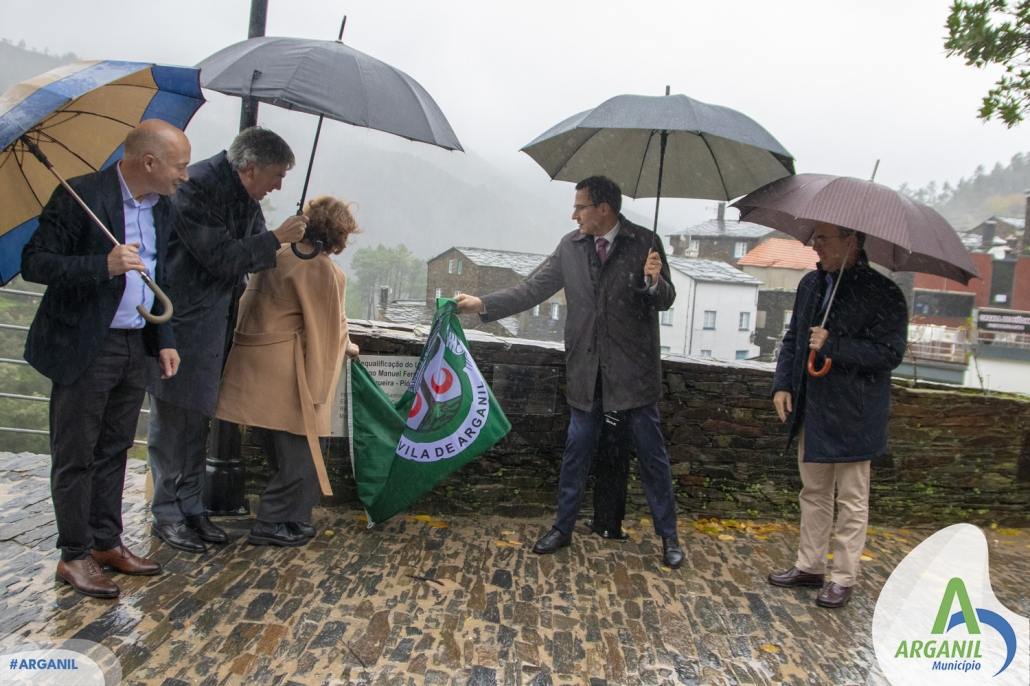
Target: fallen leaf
<point>328,533</point>
<point>726,537</point>
<point>770,648</point>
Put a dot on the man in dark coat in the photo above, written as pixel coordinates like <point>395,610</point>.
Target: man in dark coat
<point>612,358</point>
<point>89,338</point>
<point>219,238</point>
<point>840,418</point>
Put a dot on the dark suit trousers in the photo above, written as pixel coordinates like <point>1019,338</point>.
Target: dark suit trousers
<point>292,490</point>
<point>580,445</point>
<point>177,451</point>
<point>92,425</point>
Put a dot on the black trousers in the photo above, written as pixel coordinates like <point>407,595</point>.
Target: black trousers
<point>92,425</point>
<point>611,473</point>
<point>292,490</point>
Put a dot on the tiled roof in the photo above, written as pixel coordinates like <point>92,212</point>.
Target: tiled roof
<point>785,253</point>
<point>714,228</point>
<point>522,263</point>
<point>710,270</point>
<point>1018,222</point>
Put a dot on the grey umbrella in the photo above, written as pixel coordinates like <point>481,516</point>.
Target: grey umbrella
<point>671,145</point>
<point>329,79</point>
<point>710,152</point>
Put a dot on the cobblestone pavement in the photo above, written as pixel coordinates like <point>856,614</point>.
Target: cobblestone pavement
<point>458,600</point>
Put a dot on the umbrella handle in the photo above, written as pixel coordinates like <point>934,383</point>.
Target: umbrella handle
<point>818,373</point>
<point>166,304</point>
<point>309,255</point>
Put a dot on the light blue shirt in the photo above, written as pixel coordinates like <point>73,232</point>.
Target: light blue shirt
<point>139,228</point>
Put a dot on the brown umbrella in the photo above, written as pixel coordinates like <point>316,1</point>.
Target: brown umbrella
<point>901,234</point>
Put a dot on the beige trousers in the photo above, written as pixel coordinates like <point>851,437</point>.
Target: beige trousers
<point>818,480</point>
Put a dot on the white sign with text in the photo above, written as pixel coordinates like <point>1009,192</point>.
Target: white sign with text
<point>393,374</point>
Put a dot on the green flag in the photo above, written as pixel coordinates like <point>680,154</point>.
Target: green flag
<point>447,417</point>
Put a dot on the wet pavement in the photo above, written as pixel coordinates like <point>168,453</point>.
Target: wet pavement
<point>457,600</point>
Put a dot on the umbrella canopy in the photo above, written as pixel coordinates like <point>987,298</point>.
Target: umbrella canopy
<point>713,152</point>
<point>330,79</point>
<point>79,116</point>
<point>901,234</point>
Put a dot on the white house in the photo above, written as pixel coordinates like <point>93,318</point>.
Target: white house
<point>714,312</point>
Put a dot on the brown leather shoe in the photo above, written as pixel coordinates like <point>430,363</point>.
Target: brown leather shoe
<point>794,577</point>
<point>85,577</point>
<point>833,595</point>
<point>121,559</point>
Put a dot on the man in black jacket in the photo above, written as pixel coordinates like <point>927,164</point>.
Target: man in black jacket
<point>90,340</point>
<point>219,238</point>
<point>612,361</point>
<point>841,417</point>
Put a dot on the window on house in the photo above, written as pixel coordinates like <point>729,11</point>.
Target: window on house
<point>665,317</point>
<point>787,314</point>
<point>745,321</point>
<point>439,293</point>
<point>739,249</point>
<point>706,353</point>
<point>741,355</point>
<point>456,291</point>
<point>454,265</point>
<point>693,248</point>
<point>760,320</point>
<point>556,311</point>
<point>536,310</point>
<point>709,321</point>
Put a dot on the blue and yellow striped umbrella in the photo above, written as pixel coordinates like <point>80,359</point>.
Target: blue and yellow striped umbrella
<point>79,116</point>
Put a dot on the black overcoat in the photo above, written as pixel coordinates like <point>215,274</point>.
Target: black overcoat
<point>68,253</point>
<point>610,329</point>
<point>845,413</point>
<point>219,237</point>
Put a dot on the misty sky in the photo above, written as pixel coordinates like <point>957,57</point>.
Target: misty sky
<point>839,84</point>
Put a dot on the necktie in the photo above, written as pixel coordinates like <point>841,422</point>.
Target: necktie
<point>602,249</point>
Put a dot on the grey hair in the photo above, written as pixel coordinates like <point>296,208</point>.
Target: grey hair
<point>260,147</point>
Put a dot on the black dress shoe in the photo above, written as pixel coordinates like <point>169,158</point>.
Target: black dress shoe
<point>275,533</point>
<point>794,577</point>
<point>206,530</point>
<point>302,528</point>
<point>672,554</point>
<point>551,541</point>
<point>180,536</point>
<point>833,595</point>
<point>614,533</point>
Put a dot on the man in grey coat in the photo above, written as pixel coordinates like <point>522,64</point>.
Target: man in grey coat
<point>611,349</point>
<point>219,237</point>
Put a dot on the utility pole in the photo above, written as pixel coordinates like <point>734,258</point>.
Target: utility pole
<point>226,475</point>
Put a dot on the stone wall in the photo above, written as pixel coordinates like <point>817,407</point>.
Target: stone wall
<point>955,455</point>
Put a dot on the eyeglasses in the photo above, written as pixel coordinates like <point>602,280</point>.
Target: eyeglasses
<point>580,208</point>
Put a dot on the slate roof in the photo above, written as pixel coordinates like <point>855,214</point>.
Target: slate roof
<point>714,228</point>
<point>784,253</point>
<point>711,271</point>
<point>411,312</point>
<point>522,263</point>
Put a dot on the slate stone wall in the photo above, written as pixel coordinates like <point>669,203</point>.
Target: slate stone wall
<point>955,455</point>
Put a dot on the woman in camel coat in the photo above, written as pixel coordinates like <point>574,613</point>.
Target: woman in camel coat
<point>281,374</point>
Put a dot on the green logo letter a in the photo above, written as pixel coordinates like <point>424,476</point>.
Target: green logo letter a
<point>954,588</point>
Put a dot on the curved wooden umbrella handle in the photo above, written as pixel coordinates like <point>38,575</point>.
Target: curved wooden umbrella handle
<point>812,371</point>
<point>166,304</point>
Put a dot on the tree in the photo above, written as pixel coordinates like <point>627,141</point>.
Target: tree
<point>989,32</point>
<point>373,268</point>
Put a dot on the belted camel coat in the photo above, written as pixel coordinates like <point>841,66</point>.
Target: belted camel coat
<point>288,349</point>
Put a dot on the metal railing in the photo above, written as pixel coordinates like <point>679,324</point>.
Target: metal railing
<point>21,397</point>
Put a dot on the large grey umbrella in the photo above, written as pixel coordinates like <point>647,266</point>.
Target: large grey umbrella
<point>671,145</point>
<point>710,152</point>
<point>329,79</point>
